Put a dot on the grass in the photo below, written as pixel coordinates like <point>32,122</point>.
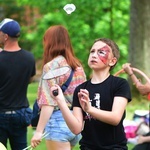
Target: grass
<point>141,104</point>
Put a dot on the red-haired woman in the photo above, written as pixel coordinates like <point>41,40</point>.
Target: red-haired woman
<point>58,52</point>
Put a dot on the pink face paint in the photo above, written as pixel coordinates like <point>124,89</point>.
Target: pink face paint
<point>103,54</point>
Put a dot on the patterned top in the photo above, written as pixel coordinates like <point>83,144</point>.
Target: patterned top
<point>44,97</point>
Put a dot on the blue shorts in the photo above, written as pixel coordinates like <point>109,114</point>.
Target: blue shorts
<point>59,131</point>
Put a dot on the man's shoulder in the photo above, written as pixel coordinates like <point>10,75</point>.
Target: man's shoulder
<point>28,53</point>
<point>25,51</point>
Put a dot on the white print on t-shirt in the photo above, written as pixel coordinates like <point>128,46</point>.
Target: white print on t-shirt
<point>97,100</point>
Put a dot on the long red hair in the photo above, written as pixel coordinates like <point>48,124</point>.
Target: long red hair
<point>56,41</point>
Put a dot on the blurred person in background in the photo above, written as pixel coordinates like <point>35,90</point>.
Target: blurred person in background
<point>144,89</point>
<point>17,68</point>
<point>143,142</point>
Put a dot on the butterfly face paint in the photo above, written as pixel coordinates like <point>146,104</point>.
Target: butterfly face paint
<point>103,54</point>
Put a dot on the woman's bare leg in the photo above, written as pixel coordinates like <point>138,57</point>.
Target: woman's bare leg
<point>55,145</point>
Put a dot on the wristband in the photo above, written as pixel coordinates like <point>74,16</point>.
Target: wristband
<point>131,74</point>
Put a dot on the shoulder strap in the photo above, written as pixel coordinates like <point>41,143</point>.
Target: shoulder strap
<point>66,84</point>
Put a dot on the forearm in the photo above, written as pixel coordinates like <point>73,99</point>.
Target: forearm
<point>108,117</point>
<point>144,89</point>
<point>140,87</point>
<point>130,73</point>
<point>73,121</point>
<point>45,114</point>
<point>134,79</point>
<point>112,116</point>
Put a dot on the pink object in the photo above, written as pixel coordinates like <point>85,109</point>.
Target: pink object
<point>148,96</point>
<point>130,131</point>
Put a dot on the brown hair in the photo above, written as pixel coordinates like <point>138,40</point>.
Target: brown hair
<point>113,46</point>
<point>56,41</point>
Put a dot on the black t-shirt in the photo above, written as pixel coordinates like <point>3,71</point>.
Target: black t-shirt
<point>16,69</point>
<point>96,134</point>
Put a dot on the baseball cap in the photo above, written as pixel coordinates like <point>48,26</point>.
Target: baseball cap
<point>10,27</point>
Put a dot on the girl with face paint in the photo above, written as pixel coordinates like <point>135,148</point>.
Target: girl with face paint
<point>99,104</point>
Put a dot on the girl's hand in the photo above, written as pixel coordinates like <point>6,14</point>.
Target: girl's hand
<point>59,97</point>
<point>127,68</point>
<point>36,139</point>
<point>84,99</point>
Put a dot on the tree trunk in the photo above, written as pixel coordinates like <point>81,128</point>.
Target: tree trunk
<point>139,50</point>
<point>139,47</point>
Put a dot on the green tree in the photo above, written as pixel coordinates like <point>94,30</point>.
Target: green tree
<point>91,20</point>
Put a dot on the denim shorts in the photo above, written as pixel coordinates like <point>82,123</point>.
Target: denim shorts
<point>59,131</point>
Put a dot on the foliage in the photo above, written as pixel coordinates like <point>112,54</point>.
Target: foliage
<point>91,20</point>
